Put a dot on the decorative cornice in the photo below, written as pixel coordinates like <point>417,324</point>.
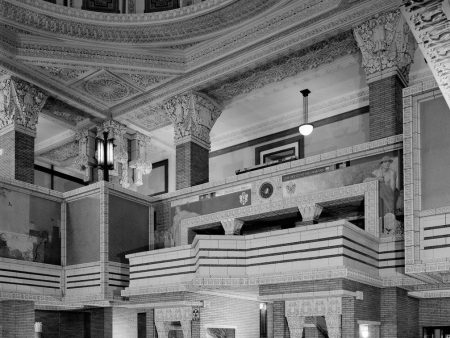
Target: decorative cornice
<point>68,12</point>
<point>102,28</point>
<point>306,59</point>
<point>268,50</point>
<point>68,151</point>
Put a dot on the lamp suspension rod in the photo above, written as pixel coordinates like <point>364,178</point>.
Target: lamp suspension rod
<point>305,93</point>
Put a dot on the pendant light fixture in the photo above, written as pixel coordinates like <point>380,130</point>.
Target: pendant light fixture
<point>305,128</point>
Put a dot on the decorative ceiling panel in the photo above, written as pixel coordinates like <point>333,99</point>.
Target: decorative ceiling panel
<point>64,74</point>
<point>61,111</point>
<point>150,119</point>
<point>63,153</point>
<point>107,88</point>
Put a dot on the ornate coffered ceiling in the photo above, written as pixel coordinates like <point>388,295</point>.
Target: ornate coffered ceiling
<point>96,65</point>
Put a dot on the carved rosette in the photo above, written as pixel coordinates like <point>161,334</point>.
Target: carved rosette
<point>193,115</point>
<point>117,132</point>
<point>387,46</point>
<point>142,163</point>
<point>20,104</point>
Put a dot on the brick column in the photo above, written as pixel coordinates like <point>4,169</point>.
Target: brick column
<point>279,321</point>
<point>387,47</point>
<point>20,105</point>
<point>17,318</point>
<point>193,115</point>
<point>150,318</point>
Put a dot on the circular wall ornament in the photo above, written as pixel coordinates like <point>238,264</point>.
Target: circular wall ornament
<point>266,190</point>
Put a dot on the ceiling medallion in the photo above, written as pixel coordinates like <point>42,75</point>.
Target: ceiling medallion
<point>107,89</point>
<point>266,190</point>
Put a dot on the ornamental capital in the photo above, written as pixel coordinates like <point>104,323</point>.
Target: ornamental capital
<point>387,46</point>
<point>20,103</point>
<point>193,115</point>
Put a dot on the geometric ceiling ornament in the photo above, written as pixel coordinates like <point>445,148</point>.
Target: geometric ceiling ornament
<point>107,88</point>
<point>61,111</point>
<point>62,153</point>
<point>151,118</point>
<point>145,81</point>
<point>64,74</point>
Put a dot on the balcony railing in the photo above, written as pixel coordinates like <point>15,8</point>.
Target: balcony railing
<point>325,250</point>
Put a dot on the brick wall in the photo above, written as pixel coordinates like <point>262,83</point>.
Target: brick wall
<point>280,327</point>
<point>433,312</point>
<point>17,318</point>
<point>399,314</point>
<point>61,324</point>
<point>150,329</point>
<point>192,165</point>
<point>385,115</point>
<point>17,158</point>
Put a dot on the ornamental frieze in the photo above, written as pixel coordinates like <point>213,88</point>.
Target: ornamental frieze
<point>309,58</point>
<point>130,32</point>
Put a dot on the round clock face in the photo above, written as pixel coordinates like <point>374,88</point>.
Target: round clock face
<point>266,190</point>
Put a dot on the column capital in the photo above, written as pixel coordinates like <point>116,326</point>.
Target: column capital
<point>193,115</point>
<point>232,226</point>
<point>20,104</point>
<point>387,46</point>
<point>310,213</point>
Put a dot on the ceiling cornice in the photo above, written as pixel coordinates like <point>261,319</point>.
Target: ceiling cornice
<point>128,29</point>
<point>252,57</point>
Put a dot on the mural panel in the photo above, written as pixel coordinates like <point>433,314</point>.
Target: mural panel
<point>29,227</point>
<point>386,168</point>
<point>165,238</point>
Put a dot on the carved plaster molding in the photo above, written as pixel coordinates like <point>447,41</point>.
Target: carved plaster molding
<point>20,103</point>
<point>306,59</point>
<point>61,154</point>
<point>193,115</point>
<point>62,112</point>
<point>429,22</point>
<point>103,28</point>
<point>387,46</point>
